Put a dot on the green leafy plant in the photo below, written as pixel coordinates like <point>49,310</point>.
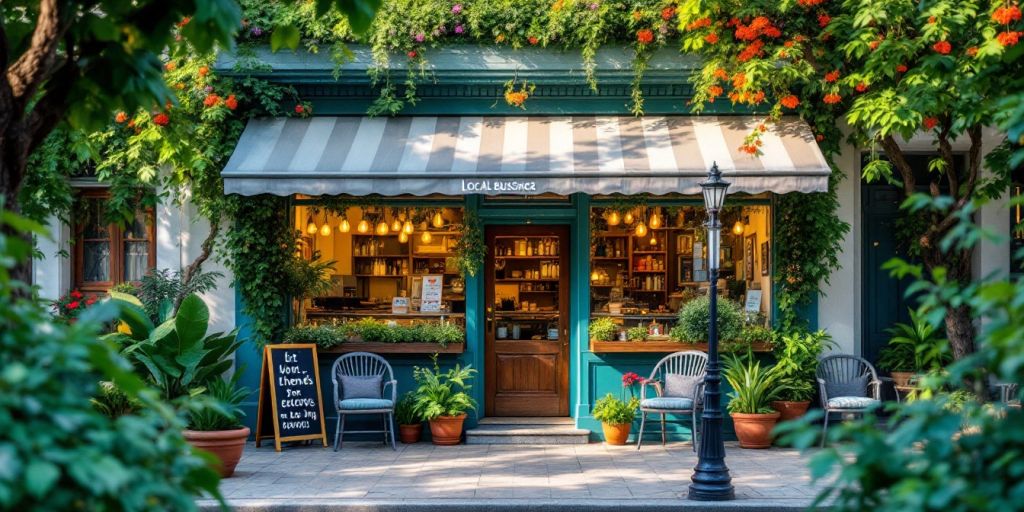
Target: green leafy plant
<point>796,355</point>
<point>915,347</point>
<point>405,410</point>
<point>612,410</point>
<point>228,413</point>
<point>754,386</point>
<point>603,329</point>
<point>695,317</point>
<point>638,333</point>
<point>443,393</point>
<point>375,331</point>
<point>113,402</point>
<point>161,289</point>
<point>471,249</point>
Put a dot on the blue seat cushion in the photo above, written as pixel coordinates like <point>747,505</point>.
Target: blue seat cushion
<point>364,404</point>
<point>666,403</point>
<point>851,402</point>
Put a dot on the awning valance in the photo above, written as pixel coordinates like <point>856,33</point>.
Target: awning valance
<point>519,155</point>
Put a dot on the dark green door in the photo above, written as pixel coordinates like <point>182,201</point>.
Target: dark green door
<point>883,302</point>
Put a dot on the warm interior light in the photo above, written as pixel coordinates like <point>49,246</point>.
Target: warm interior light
<point>425,237</point>
<point>344,227</point>
<point>382,228</point>
<point>396,225</point>
<point>614,218</point>
<point>738,228</point>
<point>655,220</point>
<point>402,237</point>
<point>594,276</point>
<point>325,230</point>
<point>641,229</point>
<point>363,227</point>
<point>438,220</point>
<point>653,241</point>
<point>407,227</point>
<point>628,218</point>
<point>311,227</point>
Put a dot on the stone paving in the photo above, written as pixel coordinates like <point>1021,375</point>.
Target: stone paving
<point>365,472</point>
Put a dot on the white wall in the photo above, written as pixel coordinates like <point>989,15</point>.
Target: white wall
<point>52,273</point>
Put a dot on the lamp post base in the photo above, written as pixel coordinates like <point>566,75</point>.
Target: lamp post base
<point>711,487</point>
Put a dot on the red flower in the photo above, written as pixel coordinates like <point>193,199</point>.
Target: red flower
<point>874,44</point>
<point>299,109</point>
<point>832,98</point>
<point>1006,15</point>
<point>942,47</point>
<point>161,119</point>
<point>231,102</point>
<point>790,101</point>
<point>630,378</point>
<point>533,40</point>
<point>644,36</point>
<point>861,87</point>
<point>700,23</point>
<point>412,54</point>
<point>667,13</point>
<point>824,20</point>
<point>832,76</point>
<point>972,51</point>
<point>1008,38</point>
<point>810,3</point>
<point>184,21</point>
<point>819,137</point>
<point>121,117</point>
<point>203,70</point>
<point>76,294</point>
<point>930,122</point>
<point>711,38</point>
<point>73,305</point>
<point>211,100</point>
<point>901,68</point>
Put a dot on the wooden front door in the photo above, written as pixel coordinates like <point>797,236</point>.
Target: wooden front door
<point>526,365</point>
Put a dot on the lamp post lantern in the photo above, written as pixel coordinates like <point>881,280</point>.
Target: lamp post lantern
<point>711,480</point>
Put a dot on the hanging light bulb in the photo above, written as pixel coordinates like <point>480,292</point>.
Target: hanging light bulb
<point>594,276</point>
<point>425,237</point>
<point>438,220</point>
<point>655,220</point>
<point>628,217</point>
<point>396,225</point>
<point>311,227</point>
<point>641,229</point>
<point>402,237</point>
<point>325,229</point>
<point>363,227</point>
<point>653,241</point>
<point>614,218</point>
<point>382,227</point>
<point>407,227</point>
<point>344,227</point>
<point>737,228</point>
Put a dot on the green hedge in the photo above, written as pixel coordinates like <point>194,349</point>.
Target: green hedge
<point>373,331</point>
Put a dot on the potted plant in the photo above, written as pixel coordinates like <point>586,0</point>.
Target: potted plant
<point>216,426</point>
<point>695,317</point>
<point>603,329</point>
<point>914,348</point>
<point>754,388</point>
<point>617,415</point>
<point>638,333</point>
<point>410,425</point>
<point>796,355</point>
<point>442,399</point>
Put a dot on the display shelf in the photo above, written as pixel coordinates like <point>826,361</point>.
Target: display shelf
<point>381,256</point>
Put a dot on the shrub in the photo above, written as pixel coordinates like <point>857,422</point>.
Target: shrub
<point>443,393</point>
<point>754,386</point>
<point>796,356</point>
<point>375,331</point>
<point>694,318</point>
<point>405,410</point>
<point>603,329</point>
<point>638,333</point>
<point>228,413</point>
<point>612,410</point>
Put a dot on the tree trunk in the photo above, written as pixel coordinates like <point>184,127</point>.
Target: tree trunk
<point>197,265</point>
<point>960,331</point>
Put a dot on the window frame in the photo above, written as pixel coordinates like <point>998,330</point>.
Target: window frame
<point>116,236</point>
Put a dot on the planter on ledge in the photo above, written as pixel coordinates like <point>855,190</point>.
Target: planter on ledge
<point>665,346</point>
<point>394,348</point>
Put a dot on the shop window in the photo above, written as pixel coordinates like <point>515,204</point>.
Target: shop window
<point>1017,223</point>
<point>106,253</point>
<point>649,262</point>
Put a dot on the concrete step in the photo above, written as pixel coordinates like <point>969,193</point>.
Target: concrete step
<point>527,431</point>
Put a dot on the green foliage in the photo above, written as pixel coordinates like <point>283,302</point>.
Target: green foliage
<point>375,331</point>
<point>405,410</point>
<point>308,278</point>
<point>754,387</point>
<point>59,451</point>
<point>796,355</point>
<point>603,329</point>
<point>112,402</point>
<point>915,347</point>
<point>614,411</point>
<point>160,288</point>
<point>638,333</point>
<point>757,334</point>
<point>695,317</point>
<point>443,393</point>
<point>226,393</point>
<point>471,248</point>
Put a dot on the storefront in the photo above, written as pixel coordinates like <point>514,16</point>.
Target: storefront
<point>584,219</point>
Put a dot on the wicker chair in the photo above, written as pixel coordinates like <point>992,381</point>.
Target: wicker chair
<point>364,366</point>
<point>689,363</point>
<point>848,385</point>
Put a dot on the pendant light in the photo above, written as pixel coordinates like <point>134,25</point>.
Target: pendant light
<point>614,218</point>
<point>438,220</point>
<point>655,220</point>
<point>344,227</point>
<point>425,237</point>
<point>628,217</point>
<point>407,227</point>
<point>594,276</point>
<point>402,237</point>
<point>737,228</point>
<point>325,229</point>
<point>653,241</point>
<point>641,228</point>
<point>311,226</point>
<point>382,227</point>
<point>363,227</point>
<point>396,224</point>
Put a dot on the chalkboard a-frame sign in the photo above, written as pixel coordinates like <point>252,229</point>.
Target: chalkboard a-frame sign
<point>290,401</point>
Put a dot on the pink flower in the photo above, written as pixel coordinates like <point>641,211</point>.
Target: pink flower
<point>630,378</point>
<point>419,37</point>
<point>459,29</point>
<point>457,8</point>
<point>593,6</point>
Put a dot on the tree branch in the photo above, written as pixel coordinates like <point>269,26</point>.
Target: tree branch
<point>32,67</point>
<point>895,155</point>
<point>196,266</point>
<point>946,152</point>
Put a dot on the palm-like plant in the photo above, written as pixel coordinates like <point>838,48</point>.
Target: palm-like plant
<point>796,362</point>
<point>754,387</point>
<point>443,393</point>
<point>919,340</point>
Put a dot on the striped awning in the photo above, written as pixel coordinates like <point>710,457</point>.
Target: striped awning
<point>519,155</point>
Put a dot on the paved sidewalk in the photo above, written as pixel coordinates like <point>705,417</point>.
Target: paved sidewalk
<point>367,476</point>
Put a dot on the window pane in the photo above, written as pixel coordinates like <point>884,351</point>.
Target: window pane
<point>93,225</point>
<point>136,260</point>
<point>137,228</point>
<point>96,261</point>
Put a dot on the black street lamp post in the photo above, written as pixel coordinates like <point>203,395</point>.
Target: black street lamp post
<point>711,480</point>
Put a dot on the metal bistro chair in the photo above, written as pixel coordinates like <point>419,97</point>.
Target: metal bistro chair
<point>684,395</point>
<point>360,382</point>
<point>848,385</point>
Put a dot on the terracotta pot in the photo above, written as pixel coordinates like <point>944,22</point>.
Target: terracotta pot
<point>790,410</point>
<point>226,445</point>
<point>616,433</point>
<point>902,379</point>
<point>409,434</point>
<point>447,430</point>
<point>754,430</point>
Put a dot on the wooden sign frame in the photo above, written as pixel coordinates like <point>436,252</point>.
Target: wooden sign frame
<point>267,390</point>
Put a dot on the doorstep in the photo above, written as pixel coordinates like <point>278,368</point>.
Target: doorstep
<point>527,431</point>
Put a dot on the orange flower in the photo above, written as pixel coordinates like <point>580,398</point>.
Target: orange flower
<point>711,38</point>
<point>667,13</point>
<point>120,117</point>
<point>901,68</point>
<point>714,91</point>
<point>738,80</point>
<point>721,74</point>
<point>832,76</point>
<point>1006,15</point>
<point>171,66</point>
<point>930,122</point>
<point>231,102</point>
<point>179,86</point>
<point>788,44</point>
<point>752,50</point>
<point>699,23</point>
<point>810,3</point>
<point>972,51</point>
<point>644,36</point>
<point>211,100</point>
<point>516,98</point>
<point>943,47</point>
<point>832,98</point>
<point>874,44</point>
<point>790,101</point>
<point>758,97</point>
<point>533,40</point>
<point>762,128</point>
<point>637,15</point>
<point>824,20</point>
<point>1008,38</point>
<point>931,20</point>
<point>203,70</point>
<point>161,119</point>
<point>861,87</point>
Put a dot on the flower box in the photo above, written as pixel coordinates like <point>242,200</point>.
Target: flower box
<point>394,348</point>
<point>663,346</point>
